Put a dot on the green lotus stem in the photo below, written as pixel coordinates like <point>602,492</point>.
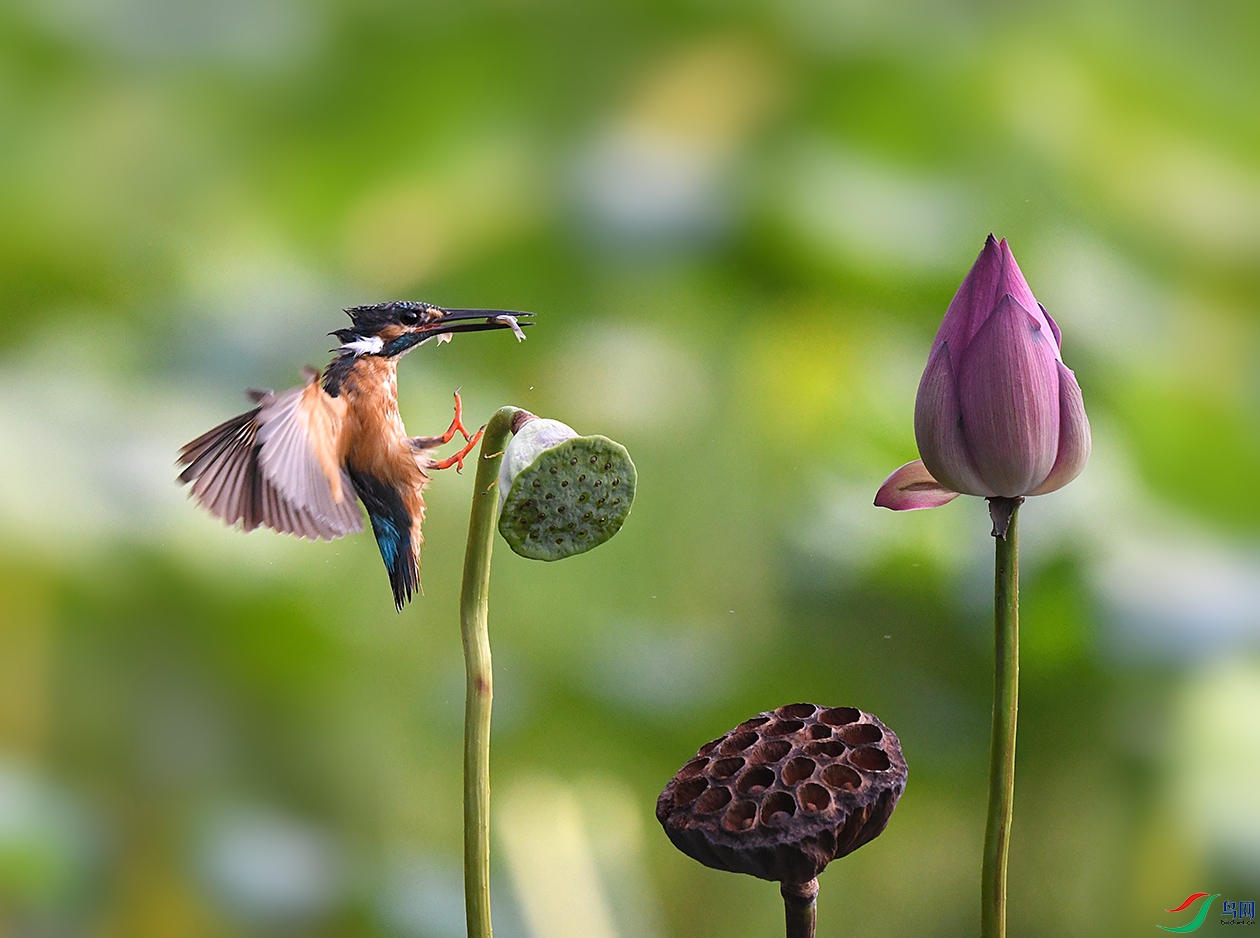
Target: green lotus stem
<point>474,608</point>
<point>800,908</point>
<point>997,834</point>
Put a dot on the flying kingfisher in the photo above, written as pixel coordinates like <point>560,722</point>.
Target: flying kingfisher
<point>299,459</point>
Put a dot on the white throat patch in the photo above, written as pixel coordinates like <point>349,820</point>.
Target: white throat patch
<point>369,346</point>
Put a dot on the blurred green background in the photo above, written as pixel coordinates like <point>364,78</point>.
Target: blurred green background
<point>740,225</point>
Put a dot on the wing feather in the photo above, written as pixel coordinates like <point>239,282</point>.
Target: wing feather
<point>244,471</point>
<point>300,433</point>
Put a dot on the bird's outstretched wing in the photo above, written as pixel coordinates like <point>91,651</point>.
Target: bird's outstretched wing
<point>277,465</point>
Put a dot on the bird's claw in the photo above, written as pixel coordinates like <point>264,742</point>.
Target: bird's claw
<point>457,460</point>
<point>457,426</point>
<point>458,422</point>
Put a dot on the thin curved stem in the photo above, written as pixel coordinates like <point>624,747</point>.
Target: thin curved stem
<point>997,832</point>
<point>800,908</point>
<point>474,608</point>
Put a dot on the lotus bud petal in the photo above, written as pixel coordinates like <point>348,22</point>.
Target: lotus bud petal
<point>974,300</point>
<point>1074,438</point>
<point>1008,390</point>
<point>938,427</point>
<point>912,487</point>
<point>1011,282</point>
<point>560,493</point>
<point>1054,328</point>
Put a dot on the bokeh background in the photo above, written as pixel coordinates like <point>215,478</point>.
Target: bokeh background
<point>740,225</point>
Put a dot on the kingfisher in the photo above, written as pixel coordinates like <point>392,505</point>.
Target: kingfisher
<point>301,460</point>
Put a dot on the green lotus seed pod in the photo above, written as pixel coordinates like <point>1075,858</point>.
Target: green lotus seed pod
<point>562,494</point>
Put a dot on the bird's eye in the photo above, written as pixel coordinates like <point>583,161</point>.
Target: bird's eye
<point>408,317</point>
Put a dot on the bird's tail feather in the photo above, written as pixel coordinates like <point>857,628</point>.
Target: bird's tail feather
<point>392,524</point>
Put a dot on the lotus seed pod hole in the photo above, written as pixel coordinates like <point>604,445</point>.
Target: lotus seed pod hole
<point>778,808</point>
<point>738,743</point>
<point>839,716</point>
<point>858,733</point>
<point>814,797</point>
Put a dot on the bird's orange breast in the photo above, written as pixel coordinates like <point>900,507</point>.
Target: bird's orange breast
<point>374,440</point>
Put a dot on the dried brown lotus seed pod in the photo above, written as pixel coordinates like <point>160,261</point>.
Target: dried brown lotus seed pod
<point>785,793</point>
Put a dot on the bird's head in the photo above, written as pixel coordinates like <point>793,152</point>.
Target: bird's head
<point>390,329</point>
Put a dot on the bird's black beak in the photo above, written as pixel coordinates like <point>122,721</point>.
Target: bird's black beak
<point>476,320</point>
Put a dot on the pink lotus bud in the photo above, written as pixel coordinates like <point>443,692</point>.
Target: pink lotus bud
<point>998,413</point>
